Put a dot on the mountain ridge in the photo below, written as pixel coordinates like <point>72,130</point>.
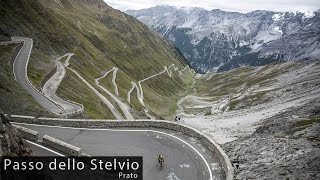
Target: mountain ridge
<point>212,40</point>
<point>100,38</point>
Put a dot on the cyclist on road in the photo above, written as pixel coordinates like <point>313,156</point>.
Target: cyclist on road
<point>161,160</point>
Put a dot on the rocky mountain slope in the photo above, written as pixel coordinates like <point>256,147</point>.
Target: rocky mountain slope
<point>11,142</point>
<point>216,39</point>
<point>101,39</point>
<point>267,116</point>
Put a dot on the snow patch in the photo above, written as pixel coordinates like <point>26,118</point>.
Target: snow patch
<point>189,23</point>
<point>278,29</point>
<point>186,9</point>
<point>307,14</point>
<point>244,43</point>
<point>278,17</point>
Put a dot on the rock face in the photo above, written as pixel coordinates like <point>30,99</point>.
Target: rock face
<point>216,39</point>
<point>11,142</point>
<point>281,148</point>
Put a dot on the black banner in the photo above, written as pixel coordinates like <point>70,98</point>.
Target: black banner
<point>71,168</point>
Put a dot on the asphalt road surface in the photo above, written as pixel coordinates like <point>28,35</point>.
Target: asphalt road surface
<point>50,87</point>
<point>185,157</point>
<point>39,150</point>
<point>20,74</point>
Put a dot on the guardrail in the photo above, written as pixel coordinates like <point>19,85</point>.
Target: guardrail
<point>50,141</point>
<point>23,40</point>
<point>27,133</point>
<point>16,39</point>
<point>80,123</point>
<point>61,146</point>
<point>65,115</point>
<point>9,42</point>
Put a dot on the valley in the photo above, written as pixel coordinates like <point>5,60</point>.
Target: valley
<point>92,57</point>
<point>210,87</point>
<point>265,116</point>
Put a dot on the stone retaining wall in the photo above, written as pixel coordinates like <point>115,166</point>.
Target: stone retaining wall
<point>50,141</point>
<point>61,146</point>
<point>27,133</point>
<point>212,145</point>
<point>48,76</point>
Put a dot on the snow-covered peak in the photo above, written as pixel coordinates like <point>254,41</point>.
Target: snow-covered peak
<point>210,38</point>
<point>190,10</point>
<point>186,9</point>
<point>278,17</point>
<point>305,14</point>
<point>278,29</point>
<point>308,14</point>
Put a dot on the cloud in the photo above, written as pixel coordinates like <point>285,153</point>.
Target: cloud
<point>228,5</point>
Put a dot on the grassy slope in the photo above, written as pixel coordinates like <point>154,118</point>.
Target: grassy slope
<point>301,125</point>
<point>14,99</point>
<point>101,38</point>
<point>239,80</point>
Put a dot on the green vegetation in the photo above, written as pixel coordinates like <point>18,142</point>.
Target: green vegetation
<point>14,99</point>
<point>223,83</point>
<point>302,125</point>
<point>247,101</point>
<point>93,106</point>
<point>101,38</point>
<point>308,122</point>
<point>165,103</point>
<point>206,111</point>
<point>226,83</point>
<point>239,88</point>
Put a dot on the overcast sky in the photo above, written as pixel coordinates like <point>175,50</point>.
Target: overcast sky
<point>227,5</point>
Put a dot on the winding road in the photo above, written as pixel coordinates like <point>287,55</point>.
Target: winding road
<point>48,98</point>
<point>113,109</point>
<point>124,107</point>
<point>20,74</point>
<point>185,157</point>
<point>51,86</point>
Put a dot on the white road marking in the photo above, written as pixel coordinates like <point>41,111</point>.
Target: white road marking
<point>23,39</point>
<point>55,152</point>
<point>14,74</point>
<point>126,130</point>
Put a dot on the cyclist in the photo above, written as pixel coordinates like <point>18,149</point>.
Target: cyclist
<point>161,160</point>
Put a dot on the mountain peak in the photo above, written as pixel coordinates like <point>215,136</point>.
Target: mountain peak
<point>189,9</point>
<point>210,39</point>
